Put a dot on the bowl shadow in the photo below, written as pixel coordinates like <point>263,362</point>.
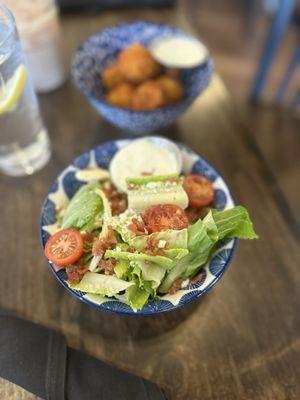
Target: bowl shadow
<point>119,328</point>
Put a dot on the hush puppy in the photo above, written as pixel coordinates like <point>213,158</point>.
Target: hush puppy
<point>137,64</point>
<point>172,88</point>
<point>148,96</point>
<point>112,76</point>
<point>121,95</point>
<point>174,72</point>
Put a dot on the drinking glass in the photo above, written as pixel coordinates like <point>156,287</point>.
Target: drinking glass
<point>24,142</point>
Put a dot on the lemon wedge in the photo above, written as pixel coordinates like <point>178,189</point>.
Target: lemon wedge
<point>11,91</point>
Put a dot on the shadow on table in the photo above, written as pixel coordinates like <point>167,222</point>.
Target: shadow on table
<point>121,328</point>
<point>114,133</point>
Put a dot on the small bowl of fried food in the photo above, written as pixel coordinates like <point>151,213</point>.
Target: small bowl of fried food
<point>123,81</point>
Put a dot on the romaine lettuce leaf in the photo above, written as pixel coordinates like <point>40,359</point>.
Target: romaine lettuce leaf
<point>151,272</point>
<point>107,285</point>
<point>124,255</point>
<point>176,254</point>
<point>136,297</point>
<point>85,210</point>
<point>176,272</point>
<point>234,223</point>
<point>122,269</point>
<point>106,211</point>
<point>104,231</point>
<point>203,237</point>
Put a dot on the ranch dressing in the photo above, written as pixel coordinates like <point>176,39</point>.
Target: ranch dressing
<point>144,157</point>
<point>178,52</point>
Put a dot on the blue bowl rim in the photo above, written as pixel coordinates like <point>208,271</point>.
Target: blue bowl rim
<point>139,313</point>
<point>207,62</point>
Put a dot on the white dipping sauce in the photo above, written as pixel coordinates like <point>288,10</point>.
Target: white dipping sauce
<point>179,52</point>
<point>141,157</point>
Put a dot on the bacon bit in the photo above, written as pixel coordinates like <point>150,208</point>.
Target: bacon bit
<point>145,216</point>
<point>196,278</point>
<point>100,246</point>
<point>111,237</point>
<point>79,263</point>
<point>75,272</point>
<point>130,249</point>
<point>88,237</point>
<point>152,247</point>
<point>176,286</point>
<point>138,227</point>
<point>146,173</point>
<point>108,265</point>
<point>117,200</point>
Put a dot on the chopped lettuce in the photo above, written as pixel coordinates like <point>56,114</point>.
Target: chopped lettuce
<point>120,224</point>
<point>172,239</point>
<point>176,272</point>
<point>151,272</point>
<point>176,254</point>
<point>85,210</point>
<point>202,237</point>
<point>136,275</point>
<point>106,218</point>
<point>106,211</point>
<point>122,269</point>
<point>136,297</point>
<point>124,255</point>
<point>95,283</point>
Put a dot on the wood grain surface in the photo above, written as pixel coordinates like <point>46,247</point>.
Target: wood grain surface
<point>241,340</point>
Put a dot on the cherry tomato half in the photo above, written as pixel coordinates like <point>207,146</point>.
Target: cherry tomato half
<point>199,189</point>
<point>64,247</point>
<point>165,216</point>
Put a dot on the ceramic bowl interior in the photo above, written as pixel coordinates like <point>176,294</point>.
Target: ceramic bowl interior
<point>100,49</point>
<point>65,186</point>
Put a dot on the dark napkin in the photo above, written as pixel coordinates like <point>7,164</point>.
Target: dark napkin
<point>39,360</point>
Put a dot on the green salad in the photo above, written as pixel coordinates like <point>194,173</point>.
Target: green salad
<point>139,245</point>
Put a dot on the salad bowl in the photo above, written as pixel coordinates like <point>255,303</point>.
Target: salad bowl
<point>67,183</point>
<point>101,49</point>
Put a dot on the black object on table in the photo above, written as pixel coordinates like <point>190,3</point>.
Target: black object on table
<point>85,5</point>
<point>39,360</point>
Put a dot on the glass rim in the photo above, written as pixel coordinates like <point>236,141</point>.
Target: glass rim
<point>11,22</point>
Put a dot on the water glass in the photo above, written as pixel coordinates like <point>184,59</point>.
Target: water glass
<point>24,142</point>
<point>40,32</point>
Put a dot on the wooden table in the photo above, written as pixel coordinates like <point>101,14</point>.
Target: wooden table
<point>241,341</point>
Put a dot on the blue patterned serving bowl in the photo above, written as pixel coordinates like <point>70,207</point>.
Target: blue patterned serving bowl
<point>102,48</point>
<point>64,187</point>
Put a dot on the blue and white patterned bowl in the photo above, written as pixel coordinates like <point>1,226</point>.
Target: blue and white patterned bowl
<point>102,48</point>
<point>64,187</point>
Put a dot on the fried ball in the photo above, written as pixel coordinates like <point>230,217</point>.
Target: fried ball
<point>148,96</point>
<point>121,96</point>
<point>137,64</point>
<point>112,76</point>
<point>171,87</point>
<point>174,72</point>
